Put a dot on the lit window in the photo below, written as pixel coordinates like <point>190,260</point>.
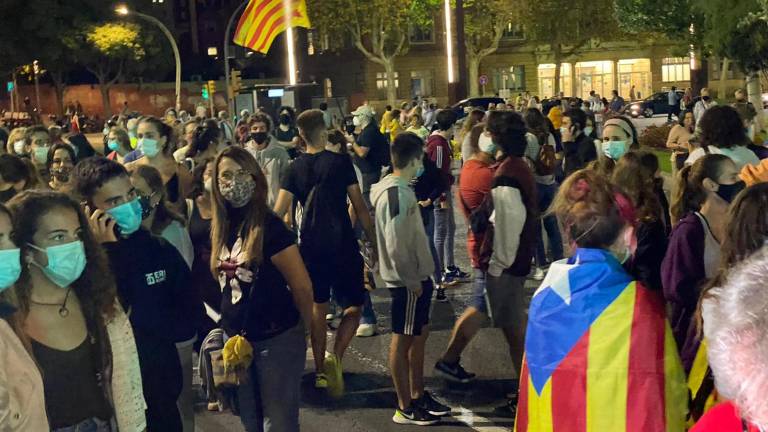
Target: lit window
<point>422,83</point>
<point>509,78</point>
<point>381,80</point>
<point>674,69</point>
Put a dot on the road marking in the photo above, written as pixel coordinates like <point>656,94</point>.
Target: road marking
<point>475,421</point>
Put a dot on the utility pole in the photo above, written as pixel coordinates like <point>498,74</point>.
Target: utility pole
<point>35,72</point>
<point>461,52</point>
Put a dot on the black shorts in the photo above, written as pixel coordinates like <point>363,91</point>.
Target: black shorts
<point>410,313</point>
<point>344,276</point>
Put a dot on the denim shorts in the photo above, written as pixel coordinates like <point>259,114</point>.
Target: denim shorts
<point>478,291</point>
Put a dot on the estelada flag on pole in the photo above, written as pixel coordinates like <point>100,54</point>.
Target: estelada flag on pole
<point>263,20</point>
<point>599,354</point>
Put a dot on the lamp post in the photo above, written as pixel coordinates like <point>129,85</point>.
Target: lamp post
<point>123,10</point>
<point>227,35</point>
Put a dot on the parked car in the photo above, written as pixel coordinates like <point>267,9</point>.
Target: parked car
<point>657,103</point>
<point>462,108</point>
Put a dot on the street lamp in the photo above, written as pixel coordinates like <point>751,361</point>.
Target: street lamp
<point>124,11</point>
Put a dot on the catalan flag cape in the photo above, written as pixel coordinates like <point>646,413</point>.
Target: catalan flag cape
<point>599,354</point>
<point>263,20</point>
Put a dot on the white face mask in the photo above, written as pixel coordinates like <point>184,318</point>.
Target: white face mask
<point>486,144</point>
<point>357,121</point>
<point>18,147</point>
<point>208,185</point>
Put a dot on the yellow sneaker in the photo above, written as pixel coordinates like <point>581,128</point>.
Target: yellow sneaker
<point>332,367</point>
<point>321,381</point>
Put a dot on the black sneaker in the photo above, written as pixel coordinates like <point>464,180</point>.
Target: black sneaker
<point>453,372</point>
<point>458,275</point>
<point>430,405</point>
<point>414,415</point>
<point>440,296</point>
<point>508,410</point>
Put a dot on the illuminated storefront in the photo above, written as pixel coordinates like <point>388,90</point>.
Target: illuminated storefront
<point>594,75</point>
<point>547,79</point>
<point>635,72</point>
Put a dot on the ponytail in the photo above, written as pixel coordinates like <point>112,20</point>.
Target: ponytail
<point>690,194</point>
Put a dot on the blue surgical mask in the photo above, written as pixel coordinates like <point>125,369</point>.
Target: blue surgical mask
<point>614,149</point>
<point>41,155</point>
<point>127,216</point>
<point>66,262</point>
<point>149,147</point>
<point>486,144</point>
<point>10,267</point>
<point>588,130</point>
<point>113,145</point>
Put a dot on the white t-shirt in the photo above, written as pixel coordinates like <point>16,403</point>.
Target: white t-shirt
<point>739,154</point>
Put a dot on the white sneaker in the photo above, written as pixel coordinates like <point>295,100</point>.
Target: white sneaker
<point>366,330</point>
<point>334,323</point>
<point>539,274</point>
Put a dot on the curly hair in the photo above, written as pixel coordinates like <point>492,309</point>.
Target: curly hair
<point>587,208</point>
<point>722,127</point>
<point>637,182</point>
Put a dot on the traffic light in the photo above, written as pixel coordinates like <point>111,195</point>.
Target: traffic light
<point>211,87</point>
<point>205,91</point>
<point>236,81</point>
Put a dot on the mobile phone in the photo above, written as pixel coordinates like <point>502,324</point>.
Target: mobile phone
<point>349,125</point>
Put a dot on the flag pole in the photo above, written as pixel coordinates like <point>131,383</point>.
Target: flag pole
<point>227,37</point>
<point>289,42</point>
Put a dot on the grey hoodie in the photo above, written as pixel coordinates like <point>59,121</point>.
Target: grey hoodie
<point>405,259</point>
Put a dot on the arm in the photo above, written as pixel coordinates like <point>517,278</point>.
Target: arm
<point>291,266</point>
<point>283,203</point>
<point>672,138</point>
<point>508,218</point>
<point>356,198</point>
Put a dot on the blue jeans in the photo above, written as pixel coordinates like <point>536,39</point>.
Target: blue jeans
<point>269,400</point>
<point>445,229</point>
<point>428,218</point>
<point>478,292</point>
<point>87,425</point>
<point>368,315</point>
<point>546,196</point>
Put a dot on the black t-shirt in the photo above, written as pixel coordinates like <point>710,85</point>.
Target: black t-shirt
<point>337,172</point>
<point>272,310</point>
<point>373,139</point>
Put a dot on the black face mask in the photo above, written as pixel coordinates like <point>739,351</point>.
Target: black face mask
<point>259,137</point>
<point>61,174</point>
<point>285,119</point>
<point>728,192</point>
<point>146,205</point>
<point>6,195</point>
<point>706,98</point>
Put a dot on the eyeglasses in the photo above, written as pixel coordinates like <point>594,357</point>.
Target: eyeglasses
<point>238,175</point>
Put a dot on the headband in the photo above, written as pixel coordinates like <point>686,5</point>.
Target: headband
<point>623,124</point>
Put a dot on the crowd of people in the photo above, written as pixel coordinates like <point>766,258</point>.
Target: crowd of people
<point>243,241</point>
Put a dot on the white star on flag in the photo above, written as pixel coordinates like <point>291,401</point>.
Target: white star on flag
<point>557,279</point>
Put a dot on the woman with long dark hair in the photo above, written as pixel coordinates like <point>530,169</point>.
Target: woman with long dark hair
<point>158,141</point>
<point>266,291</point>
<point>70,320</point>
<point>699,209</point>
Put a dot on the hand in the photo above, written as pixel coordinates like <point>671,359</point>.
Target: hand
<point>102,225</point>
<point>444,204</point>
<point>426,203</point>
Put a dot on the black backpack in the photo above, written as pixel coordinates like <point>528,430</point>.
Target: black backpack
<point>378,155</point>
<point>320,228</point>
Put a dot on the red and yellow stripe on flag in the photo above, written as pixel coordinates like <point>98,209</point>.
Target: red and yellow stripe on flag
<point>263,20</point>
<point>623,375</point>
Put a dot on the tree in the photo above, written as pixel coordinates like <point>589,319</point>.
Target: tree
<point>484,27</point>
<point>108,51</point>
<point>675,21</point>
<point>378,28</point>
<point>740,33</point>
<point>40,29</point>
<point>566,26</point>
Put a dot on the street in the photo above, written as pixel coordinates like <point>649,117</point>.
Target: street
<point>369,401</point>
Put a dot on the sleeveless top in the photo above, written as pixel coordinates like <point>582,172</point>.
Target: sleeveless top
<point>72,383</point>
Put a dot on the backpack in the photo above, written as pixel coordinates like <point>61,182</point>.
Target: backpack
<point>320,228</point>
<point>547,161</point>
